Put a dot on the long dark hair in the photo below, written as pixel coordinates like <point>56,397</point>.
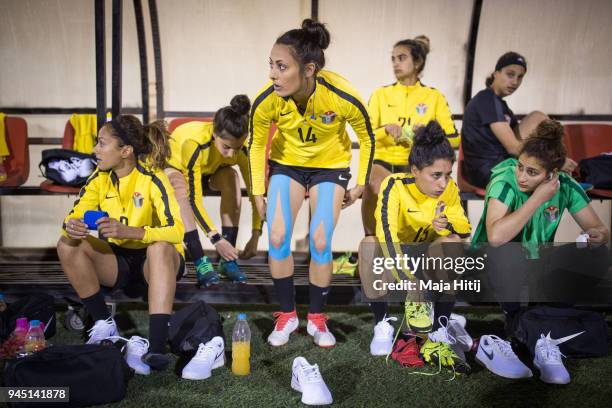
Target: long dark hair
<point>545,144</point>
<point>150,142</point>
<point>233,120</point>
<point>419,48</point>
<point>307,43</point>
<point>430,144</point>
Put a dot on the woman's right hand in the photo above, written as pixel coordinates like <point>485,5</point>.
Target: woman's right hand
<point>77,229</point>
<point>394,130</point>
<point>548,188</point>
<point>260,203</point>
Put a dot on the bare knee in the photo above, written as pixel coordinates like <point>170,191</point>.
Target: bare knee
<point>320,243</point>
<point>538,116</point>
<point>161,249</point>
<point>277,237</point>
<point>68,247</point>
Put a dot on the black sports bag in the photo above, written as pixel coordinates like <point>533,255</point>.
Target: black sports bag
<point>192,325</point>
<point>562,322</point>
<point>94,374</point>
<point>597,171</point>
<point>55,175</point>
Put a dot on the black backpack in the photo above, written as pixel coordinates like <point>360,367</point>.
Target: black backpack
<point>565,321</point>
<point>95,374</point>
<point>597,171</point>
<point>192,325</point>
<point>37,306</point>
<point>54,175</point>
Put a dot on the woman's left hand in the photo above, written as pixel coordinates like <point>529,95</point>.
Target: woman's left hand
<point>112,228</point>
<point>596,236</point>
<point>350,196</point>
<point>569,166</point>
<point>250,249</point>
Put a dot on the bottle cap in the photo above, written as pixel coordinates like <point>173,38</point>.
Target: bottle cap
<point>242,316</point>
<point>34,323</point>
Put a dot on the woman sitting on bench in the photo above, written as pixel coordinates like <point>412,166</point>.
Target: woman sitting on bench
<point>143,233</point>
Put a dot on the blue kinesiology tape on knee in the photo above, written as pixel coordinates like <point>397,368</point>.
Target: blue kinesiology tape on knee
<point>279,187</point>
<point>324,214</point>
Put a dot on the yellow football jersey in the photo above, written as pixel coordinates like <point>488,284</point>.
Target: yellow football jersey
<point>143,198</point>
<point>314,138</point>
<point>404,214</point>
<point>194,154</point>
<point>407,106</point>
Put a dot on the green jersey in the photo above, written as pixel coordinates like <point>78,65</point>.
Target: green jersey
<point>543,224</point>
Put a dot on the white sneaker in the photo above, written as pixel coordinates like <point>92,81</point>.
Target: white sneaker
<point>548,359</point>
<point>67,171</point>
<point>317,328</point>
<point>208,357</point>
<point>286,323</point>
<point>459,319</point>
<point>382,342</point>
<point>102,330</point>
<point>306,378</point>
<point>135,348</point>
<point>497,355</point>
<point>463,341</point>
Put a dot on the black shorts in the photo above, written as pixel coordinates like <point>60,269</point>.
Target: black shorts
<point>311,176</point>
<point>130,270</point>
<point>393,168</point>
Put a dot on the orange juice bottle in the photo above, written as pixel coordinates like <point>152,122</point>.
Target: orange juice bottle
<point>241,346</point>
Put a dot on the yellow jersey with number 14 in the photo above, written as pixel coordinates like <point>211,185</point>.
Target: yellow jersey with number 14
<point>315,137</point>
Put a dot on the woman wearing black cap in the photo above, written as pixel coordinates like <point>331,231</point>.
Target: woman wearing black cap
<point>491,133</point>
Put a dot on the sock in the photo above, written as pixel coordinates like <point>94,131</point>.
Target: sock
<point>230,234</point>
<point>318,296</point>
<point>194,246</point>
<point>380,309</point>
<point>285,293</point>
<point>96,306</point>
<point>442,308</point>
<point>158,332</point>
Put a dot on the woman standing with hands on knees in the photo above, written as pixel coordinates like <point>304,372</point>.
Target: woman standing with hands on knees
<point>310,152</point>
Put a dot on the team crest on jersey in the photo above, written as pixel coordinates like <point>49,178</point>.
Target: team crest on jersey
<point>421,108</point>
<point>138,199</point>
<point>328,117</point>
<point>551,213</point>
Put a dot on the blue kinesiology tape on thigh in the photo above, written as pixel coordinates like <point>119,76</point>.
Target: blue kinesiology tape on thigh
<point>324,214</point>
<point>280,186</point>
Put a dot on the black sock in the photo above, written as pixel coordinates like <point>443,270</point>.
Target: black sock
<point>194,246</point>
<point>380,309</point>
<point>442,308</point>
<point>285,293</point>
<point>158,332</point>
<point>318,296</point>
<point>96,306</point>
<point>230,234</point>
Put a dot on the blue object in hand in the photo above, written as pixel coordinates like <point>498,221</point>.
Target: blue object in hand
<point>92,216</point>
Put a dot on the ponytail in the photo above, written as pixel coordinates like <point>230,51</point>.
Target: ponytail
<point>158,149</point>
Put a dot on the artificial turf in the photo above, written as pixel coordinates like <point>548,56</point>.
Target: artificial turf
<point>355,378</point>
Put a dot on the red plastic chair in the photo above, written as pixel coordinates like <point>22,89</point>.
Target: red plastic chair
<point>67,143</point>
<point>584,140</point>
<point>464,185</point>
<point>17,164</point>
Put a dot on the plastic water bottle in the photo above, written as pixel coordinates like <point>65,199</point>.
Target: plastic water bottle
<point>16,341</point>
<point>35,339</point>
<point>2,303</point>
<point>241,346</point>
